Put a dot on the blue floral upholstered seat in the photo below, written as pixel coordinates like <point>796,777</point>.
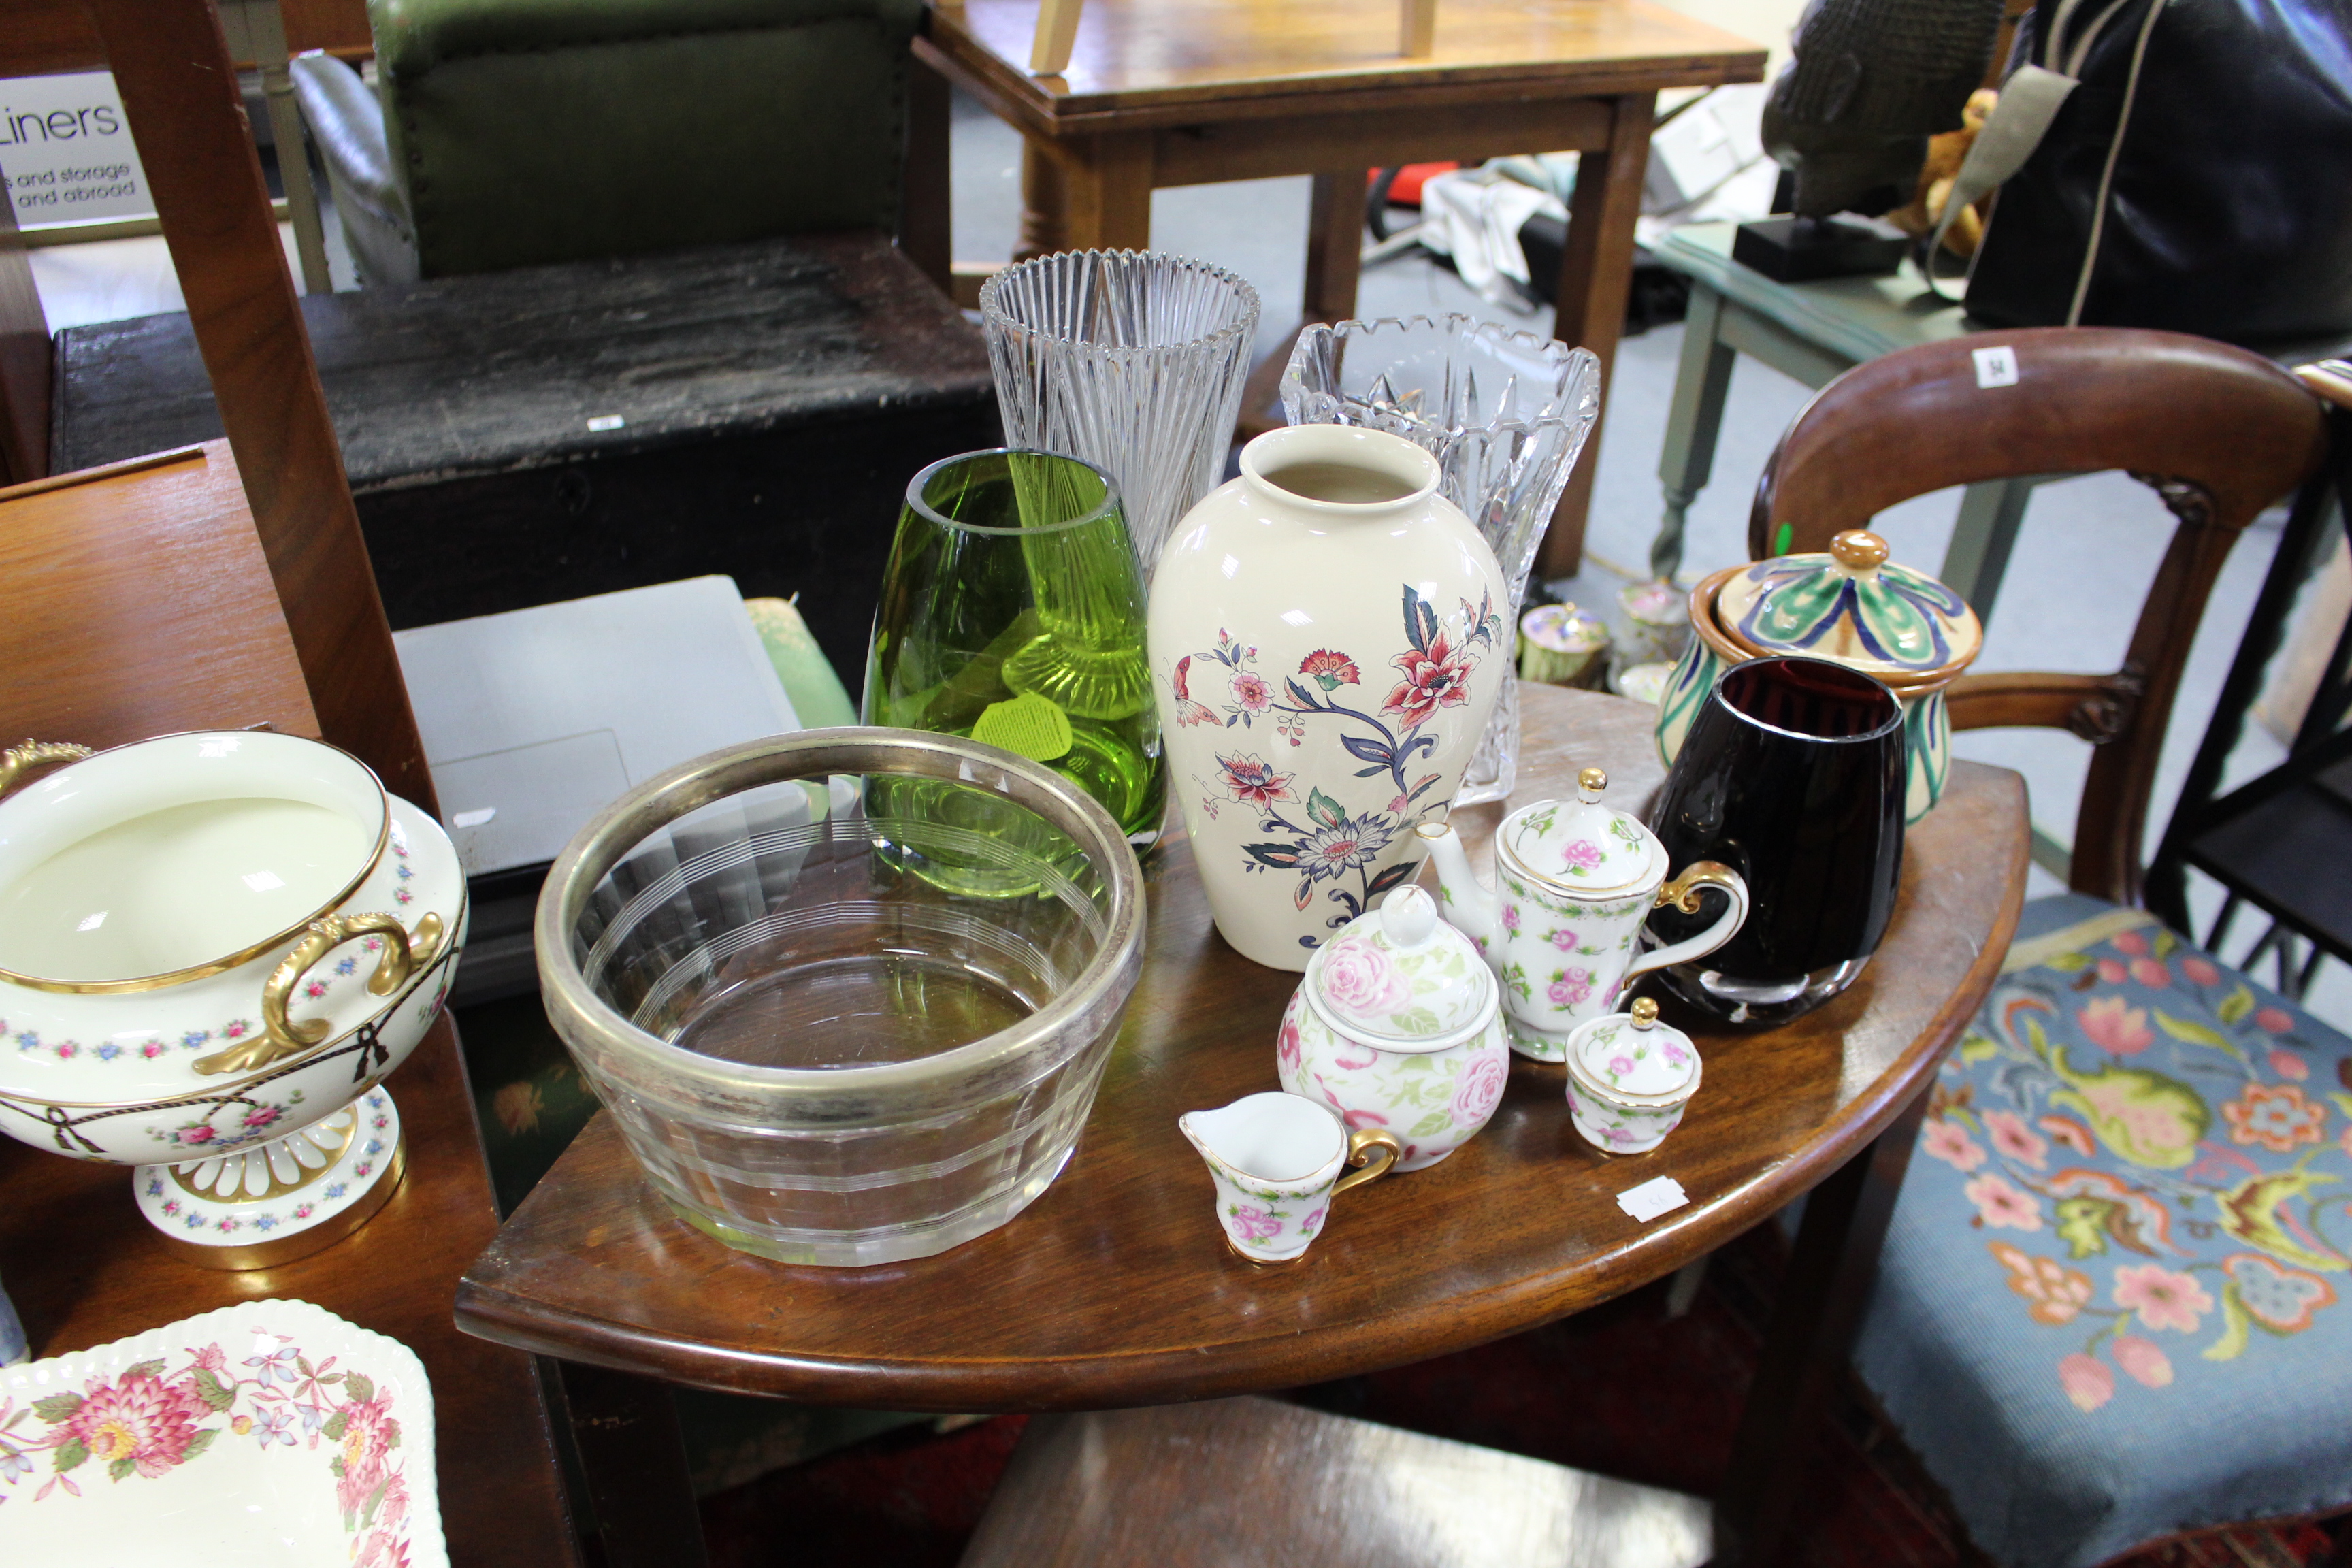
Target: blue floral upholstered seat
<point>2111,1302</point>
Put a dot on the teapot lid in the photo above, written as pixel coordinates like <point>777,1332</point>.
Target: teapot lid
<point>1854,606</point>
<point>1580,843</point>
<point>1399,973</point>
<point>1632,1055</point>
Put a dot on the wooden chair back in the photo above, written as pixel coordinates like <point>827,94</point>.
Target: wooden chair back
<point>2219,434</point>
<point>172,63</point>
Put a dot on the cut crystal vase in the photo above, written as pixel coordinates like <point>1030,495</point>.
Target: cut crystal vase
<point>1129,359</point>
<point>1504,413</point>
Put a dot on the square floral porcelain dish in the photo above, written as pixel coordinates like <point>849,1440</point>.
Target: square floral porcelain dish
<point>272,1432</point>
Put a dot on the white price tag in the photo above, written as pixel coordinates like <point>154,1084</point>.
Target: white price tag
<point>1995,367</point>
<point>1659,1195</point>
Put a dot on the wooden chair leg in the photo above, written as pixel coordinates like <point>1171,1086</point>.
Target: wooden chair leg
<point>626,1428</point>
<point>1058,30</point>
<point>1807,1348</point>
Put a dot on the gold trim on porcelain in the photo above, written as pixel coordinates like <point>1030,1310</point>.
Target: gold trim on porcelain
<point>277,1189</point>
<point>1683,891</point>
<point>218,966</point>
<point>302,1244</point>
<point>1629,889</point>
<point>35,754</point>
<point>280,1037</point>
<point>276,1071</point>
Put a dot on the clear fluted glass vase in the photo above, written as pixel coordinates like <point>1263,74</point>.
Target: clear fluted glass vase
<point>1130,360</point>
<point>1504,413</point>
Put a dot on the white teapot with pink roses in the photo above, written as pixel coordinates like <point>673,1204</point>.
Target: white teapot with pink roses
<point>1398,1027</point>
<point>1575,882</point>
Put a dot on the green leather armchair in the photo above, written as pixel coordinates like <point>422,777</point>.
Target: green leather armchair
<point>509,133</point>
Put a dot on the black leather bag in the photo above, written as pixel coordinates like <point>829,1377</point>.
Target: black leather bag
<point>2199,177</point>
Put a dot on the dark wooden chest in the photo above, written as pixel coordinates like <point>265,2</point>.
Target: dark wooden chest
<point>516,439</point>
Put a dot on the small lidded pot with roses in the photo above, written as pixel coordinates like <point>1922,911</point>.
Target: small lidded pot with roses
<point>1630,1078</point>
<point>1399,1027</point>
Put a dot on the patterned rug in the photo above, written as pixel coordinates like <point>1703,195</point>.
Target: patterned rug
<point>911,1498</point>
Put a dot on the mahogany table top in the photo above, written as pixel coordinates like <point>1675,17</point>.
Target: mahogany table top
<point>1115,1288</point>
<point>1139,61</point>
<point>139,605</point>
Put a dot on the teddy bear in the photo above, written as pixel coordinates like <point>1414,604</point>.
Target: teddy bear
<point>1945,155</point>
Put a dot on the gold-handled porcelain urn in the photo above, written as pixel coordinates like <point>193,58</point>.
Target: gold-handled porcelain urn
<point>212,949</point>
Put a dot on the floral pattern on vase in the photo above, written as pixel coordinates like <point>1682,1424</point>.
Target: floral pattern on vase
<point>1313,834</point>
<point>2152,1160</point>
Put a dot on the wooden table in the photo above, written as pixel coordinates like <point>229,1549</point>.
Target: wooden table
<point>1182,92</point>
<point>1115,1288</point>
<point>142,604</point>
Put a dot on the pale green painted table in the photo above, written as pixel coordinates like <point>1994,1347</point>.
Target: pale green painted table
<point>1814,333</point>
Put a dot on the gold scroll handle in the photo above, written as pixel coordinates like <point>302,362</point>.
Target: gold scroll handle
<point>33,754</point>
<point>1372,1151</point>
<point>280,1037</point>
<point>1683,891</point>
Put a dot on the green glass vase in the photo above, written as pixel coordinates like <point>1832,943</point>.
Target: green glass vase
<point>1012,612</point>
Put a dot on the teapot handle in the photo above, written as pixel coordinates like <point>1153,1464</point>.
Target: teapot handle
<point>280,1037</point>
<point>35,755</point>
<point>1682,894</point>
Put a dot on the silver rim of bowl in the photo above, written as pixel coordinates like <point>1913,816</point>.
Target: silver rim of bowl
<point>621,826</point>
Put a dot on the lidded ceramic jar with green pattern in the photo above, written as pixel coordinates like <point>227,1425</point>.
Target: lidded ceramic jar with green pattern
<point>1849,603</point>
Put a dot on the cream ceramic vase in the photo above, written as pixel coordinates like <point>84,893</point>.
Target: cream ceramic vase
<point>212,948</point>
<point>1397,1025</point>
<point>1327,640</point>
<point>1575,883</point>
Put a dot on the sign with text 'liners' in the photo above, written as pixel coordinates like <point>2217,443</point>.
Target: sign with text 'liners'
<point>65,151</point>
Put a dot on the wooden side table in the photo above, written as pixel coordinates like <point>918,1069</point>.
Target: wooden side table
<point>1116,1286</point>
<point>1813,333</point>
<point>1183,93</point>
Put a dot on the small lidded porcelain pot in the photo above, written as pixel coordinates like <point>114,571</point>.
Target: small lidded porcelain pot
<point>1851,604</point>
<point>1399,1026</point>
<point>1630,1078</point>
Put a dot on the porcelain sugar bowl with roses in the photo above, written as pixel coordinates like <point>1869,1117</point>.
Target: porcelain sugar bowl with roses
<point>1576,881</point>
<point>1630,1078</point>
<point>212,948</point>
<point>1398,1026</point>
<point>1328,638</point>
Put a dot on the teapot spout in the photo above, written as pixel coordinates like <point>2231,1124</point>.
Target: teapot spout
<point>1469,908</point>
